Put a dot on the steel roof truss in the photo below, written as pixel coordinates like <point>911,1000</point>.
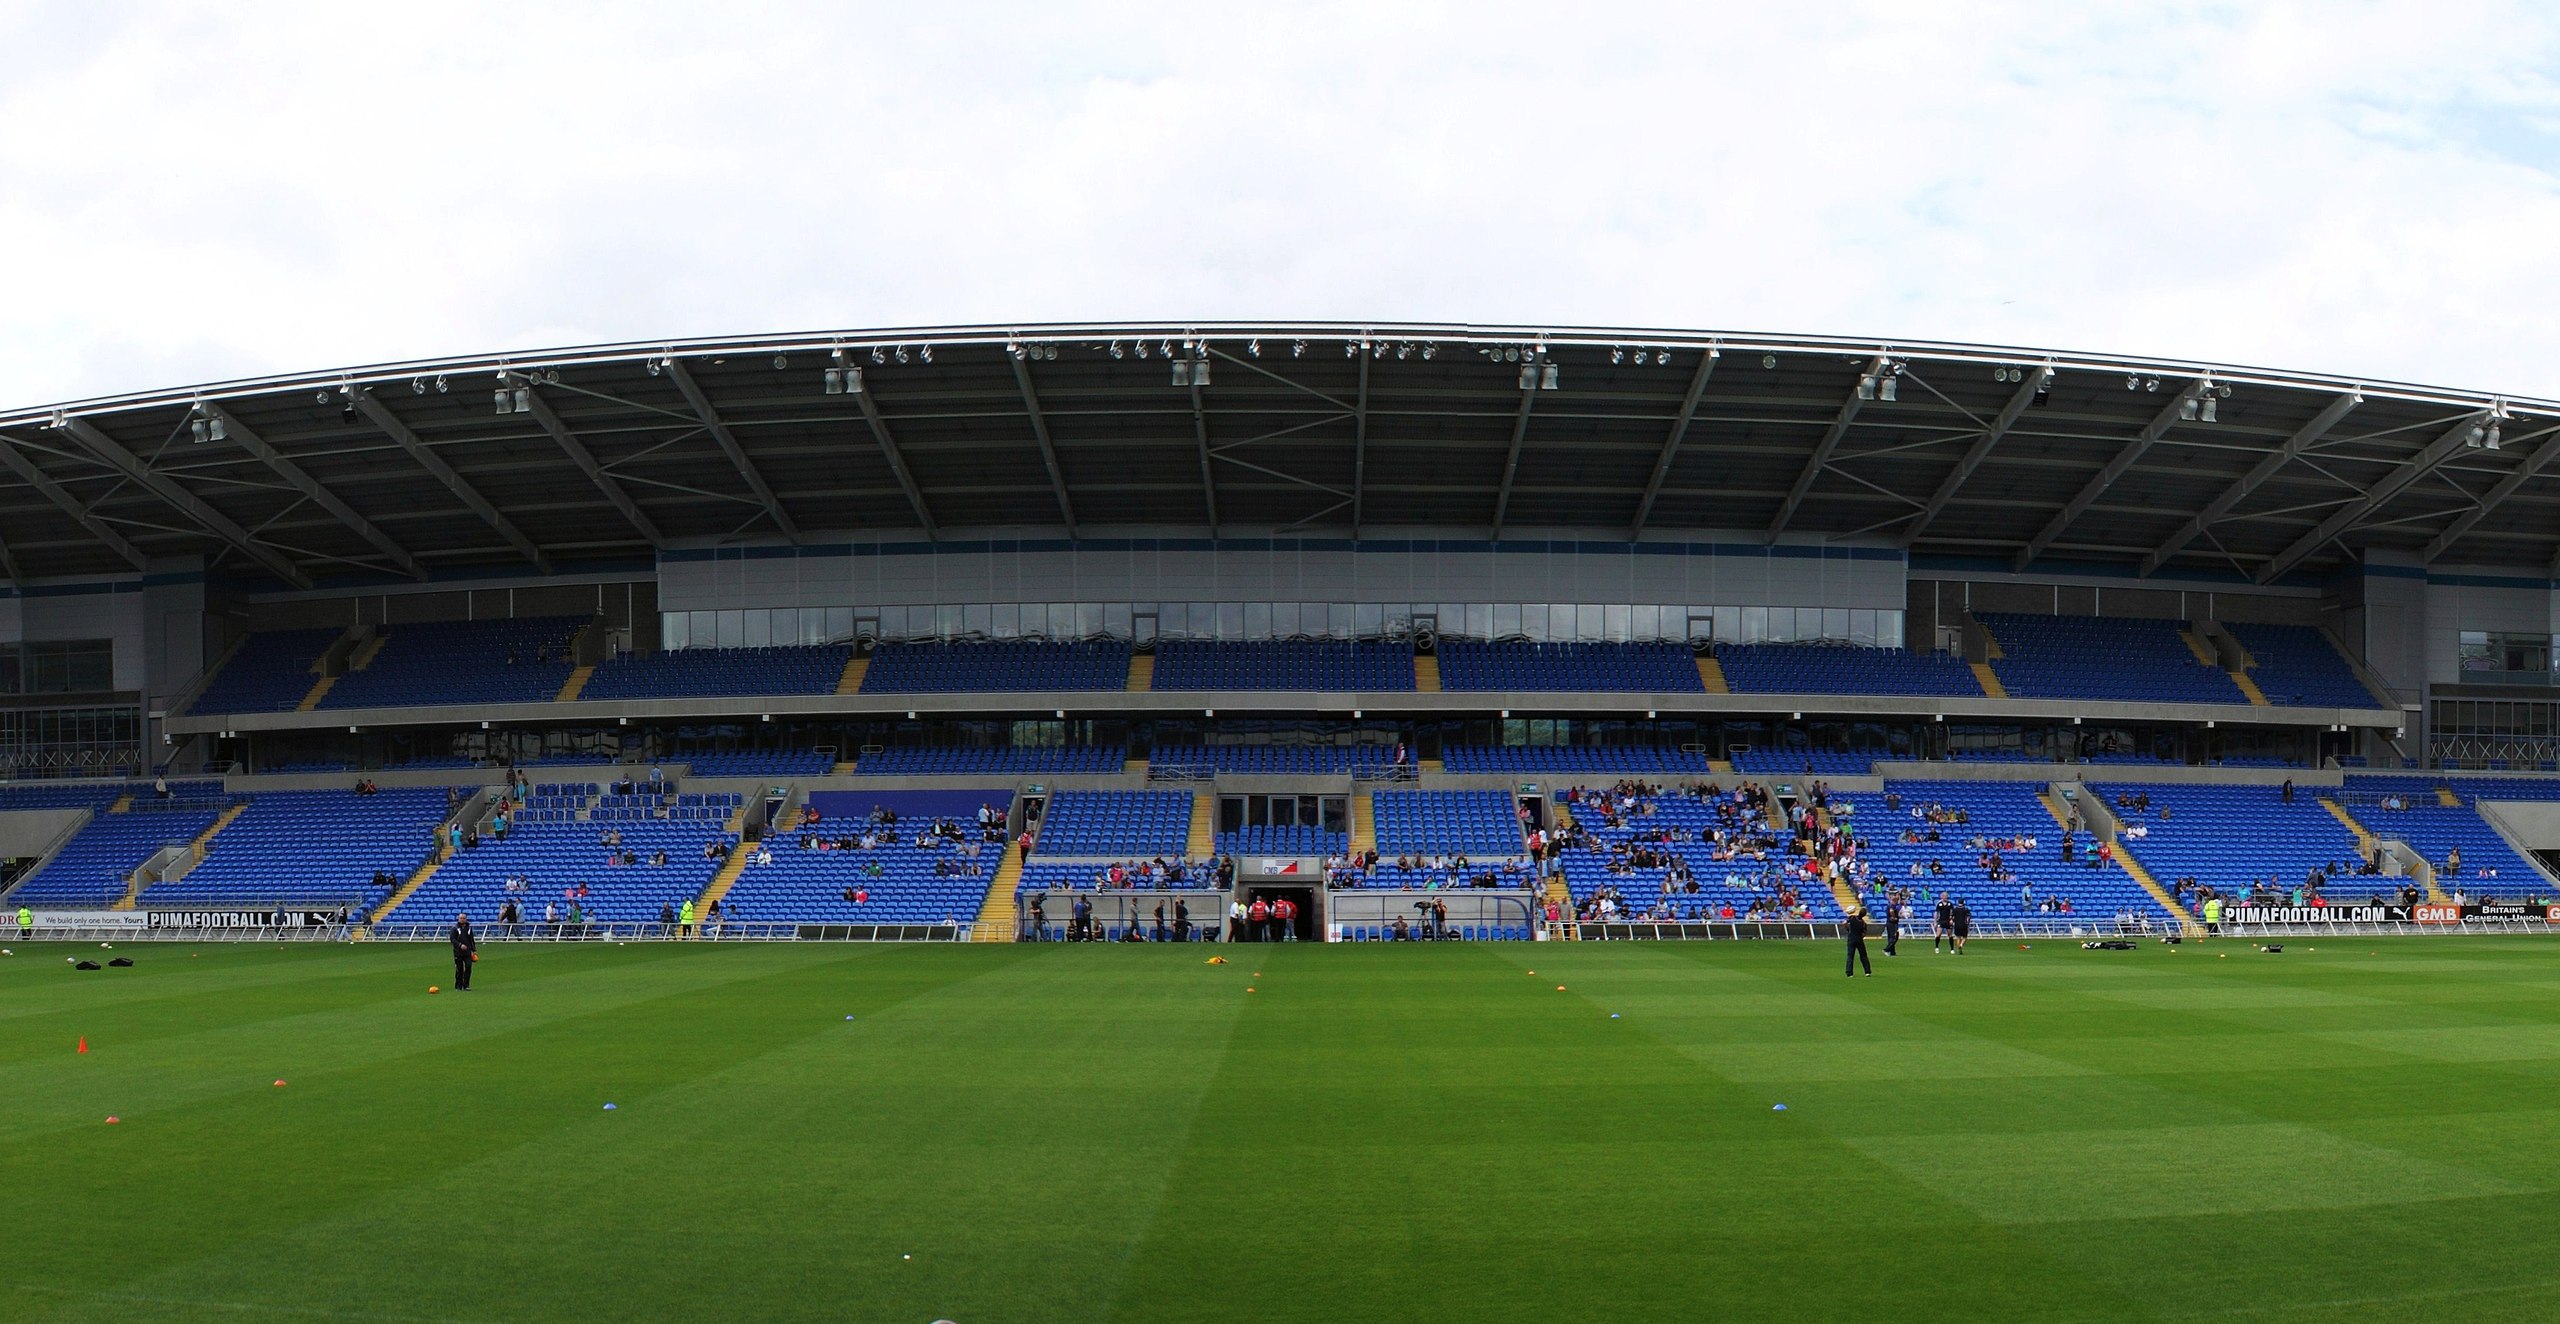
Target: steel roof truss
<point>1822,449</point>
<point>1048,449</point>
<point>213,521</point>
<point>435,465</point>
<point>310,487</point>
<point>585,459</point>
<point>1671,443</point>
<point>2375,496</point>
<point>2106,476</point>
<point>729,445</point>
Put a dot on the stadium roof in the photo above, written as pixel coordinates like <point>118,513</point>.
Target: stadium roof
<point>2018,457</point>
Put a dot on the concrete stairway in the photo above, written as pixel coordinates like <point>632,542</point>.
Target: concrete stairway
<point>998,917</point>
<point>1989,680</point>
<point>578,679</point>
<point>1711,674</point>
<point>2367,843</point>
<point>319,690</point>
<point>723,880</point>
<point>1142,672</point>
<point>850,680</point>
<point>416,880</point>
<point>1720,767</point>
<point>1364,821</point>
<point>1426,673</point>
<point>1204,826</point>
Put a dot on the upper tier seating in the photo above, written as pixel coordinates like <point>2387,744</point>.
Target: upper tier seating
<point>523,660</point>
<point>1657,668</point>
<point>2103,657</point>
<point>96,795</point>
<point>1806,762</point>
<point>1482,825</point>
<point>1295,664</point>
<point>2228,837</point>
<point>1586,760</point>
<point>2466,789</point>
<point>775,763</point>
<point>689,673</point>
<point>912,875</point>
<point>1012,666</point>
<point>552,857</point>
<point>1300,839</point>
<point>1117,824</point>
<point>1838,669</point>
<point>1993,812</point>
<point>2297,668</point>
<point>271,673</point>
<point>90,869</point>
<point>1273,760</point>
<point>1008,761</point>
<point>311,848</point>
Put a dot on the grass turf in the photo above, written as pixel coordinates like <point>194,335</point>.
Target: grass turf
<point>2352,1133</point>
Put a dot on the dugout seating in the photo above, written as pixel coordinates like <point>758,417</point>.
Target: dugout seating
<point>1843,669</point>
<point>1657,668</point>
<point>1005,666</point>
<point>521,660</point>
<point>2103,657</point>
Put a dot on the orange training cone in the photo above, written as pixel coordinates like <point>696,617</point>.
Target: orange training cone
<point>84,1043</point>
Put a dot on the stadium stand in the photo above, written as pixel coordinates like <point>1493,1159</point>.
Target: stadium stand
<point>2297,667</point>
<point>1007,667</point>
<point>1297,664</point>
<point>271,672</point>
<point>1273,760</point>
<point>1664,668</point>
<point>552,858</point>
<point>1484,825</point>
<point>1299,839</point>
<point>2230,838</point>
<point>933,866</point>
<point>1573,760</point>
<point>1116,824</point>
<point>687,673</point>
<point>2489,866</point>
<point>1996,820</point>
<point>1838,669</point>
<point>2103,657</point>
<point>1806,762</point>
<point>1008,761</point>
<point>1656,854</point>
<point>519,660</point>
<point>91,868</point>
<point>311,848</point>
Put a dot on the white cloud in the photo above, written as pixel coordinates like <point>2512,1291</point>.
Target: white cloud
<point>194,191</point>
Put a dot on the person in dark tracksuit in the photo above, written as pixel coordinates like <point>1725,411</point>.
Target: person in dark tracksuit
<point>1892,921</point>
<point>1854,930</point>
<point>466,949</point>
<point>1181,921</point>
<point>1960,923</point>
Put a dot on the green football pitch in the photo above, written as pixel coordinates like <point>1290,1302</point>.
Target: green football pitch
<point>2354,1129</point>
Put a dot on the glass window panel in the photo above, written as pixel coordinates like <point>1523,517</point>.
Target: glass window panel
<point>1257,620</point>
<point>1755,625</point>
<point>1396,616</point>
<point>1369,619</point>
<point>756,629</point>
<point>1479,620</point>
<point>733,628</point>
<point>1644,623</point>
<point>1338,621</point>
<point>839,624</point>
<point>1117,620</point>
<point>946,620</point>
<point>1835,622</point>
<point>671,631</point>
<point>1088,619</point>
<point>1284,619</point>
<point>1614,622</point>
<point>1586,621</point>
<point>1008,620</point>
<point>786,625</point>
<point>977,617</point>
<point>1230,620</point>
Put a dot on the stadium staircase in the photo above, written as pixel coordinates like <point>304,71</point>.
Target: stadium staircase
<point>1204,826</point>
<point>123,803</point>
<point>2132,868</point>
<point>2250,687</point>
<point>319,690</point>
<point>2367,844</point>
<point>998,918</point>
<point>2196,646</point>
<point>1142,672</point>
<point>578,679</point>
<point>850,680</point>
<point>1364,823</point>
<point>1990,683</point>
<point>2446,797</point>
<point>367,651</point>
<point>1430,765</point>
<point>1711,674</point>
<point>416,880</point>
<point>142,878</point>
<point>1561,897</point>
<point>1720,767</point>
<point>722,881</point>
<point>1426,673</point>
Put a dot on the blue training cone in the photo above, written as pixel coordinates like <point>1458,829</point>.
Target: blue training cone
<point>609,1107</point>
<point>1777,1107</point>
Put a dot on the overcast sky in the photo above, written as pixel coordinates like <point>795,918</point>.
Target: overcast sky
<point>198,191</point>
